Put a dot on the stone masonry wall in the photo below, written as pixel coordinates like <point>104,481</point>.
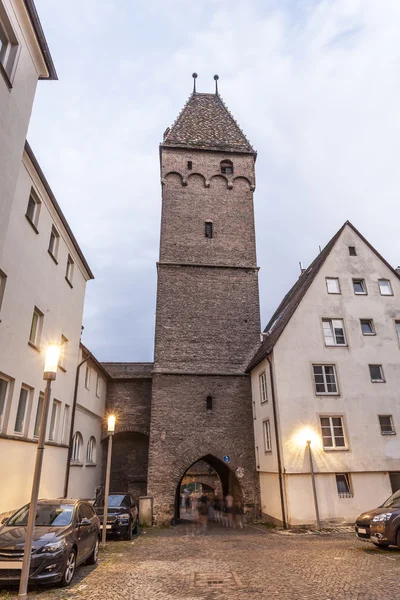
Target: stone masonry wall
<point>130,401</point>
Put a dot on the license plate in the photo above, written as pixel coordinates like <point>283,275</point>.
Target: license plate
<point>107,526</point>
<point>362,530</point>
<point>11,564</point>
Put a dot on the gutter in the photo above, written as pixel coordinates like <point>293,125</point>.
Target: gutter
<point>278,448</point>
<point>37,28</point>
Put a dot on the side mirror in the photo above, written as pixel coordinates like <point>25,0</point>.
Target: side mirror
<point>85,523</point>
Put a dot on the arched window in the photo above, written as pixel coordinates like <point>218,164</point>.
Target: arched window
<point>77,443</point>
<point>91,451</point>
<point>226,167</point>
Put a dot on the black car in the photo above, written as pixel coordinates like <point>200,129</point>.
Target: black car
<point>381,526</point>
<point>122,514</point>
<point>67,533</point>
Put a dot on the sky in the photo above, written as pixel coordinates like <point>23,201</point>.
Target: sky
<point>314,85</point>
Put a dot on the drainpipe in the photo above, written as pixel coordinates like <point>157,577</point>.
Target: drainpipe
<point>71,431</point>
<point>278,448</point>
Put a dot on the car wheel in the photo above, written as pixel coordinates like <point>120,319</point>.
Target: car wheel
<point>128,535</point>
<point>93,558</point>
<point>69,570</point>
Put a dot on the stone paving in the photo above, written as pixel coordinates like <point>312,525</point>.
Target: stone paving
<point>221,564</point>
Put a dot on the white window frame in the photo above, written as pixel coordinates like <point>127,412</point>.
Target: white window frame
<point>389,285</point>
<point>69,272</point>
<point>4,402</point>
<point>77,445</point>
<point>393,430</point>
<point>54,243</point>
<point>25,417</point>
<point>371,322</point>
<point>381,379</point>
<point>34,219</point>
<point>333,279</point>
<point>3,282</point>
<point>54,419</point>
<point>87,377</point>
<point>10,49</point>
<point>62,361</point>
<point>65,425</point>
<point>34,340</point>
<point>263,387</point>
<point>325,382</point>
<point>347,479</point>
<point>91,451</point>
<point>267,436</point>
<point>331,325</point>
<point>334,447</point>
<point>38,415</point>
<point>363,285</point>
<point>397,327</point>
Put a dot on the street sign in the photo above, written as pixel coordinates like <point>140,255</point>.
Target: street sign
<point>227,459</point>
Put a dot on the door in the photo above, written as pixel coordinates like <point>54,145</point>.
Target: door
<point>395,481</point>
<point>84,534</point>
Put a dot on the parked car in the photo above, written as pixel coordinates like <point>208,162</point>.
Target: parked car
<point>381,526</point>
<point>67,533</point>
<point>122,514</point>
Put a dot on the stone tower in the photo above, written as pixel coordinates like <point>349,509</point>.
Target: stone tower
<point>207,320</point>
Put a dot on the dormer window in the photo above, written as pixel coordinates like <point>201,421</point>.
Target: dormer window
<point>226,167</point>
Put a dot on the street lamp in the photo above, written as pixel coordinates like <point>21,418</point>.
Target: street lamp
<point>110,431</point>
<point>49,375</point>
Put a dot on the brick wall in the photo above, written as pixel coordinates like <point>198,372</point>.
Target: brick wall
<point>130,401</point>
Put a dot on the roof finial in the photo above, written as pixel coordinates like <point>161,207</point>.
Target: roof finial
<point>216,77</point>
<point>194,75</point>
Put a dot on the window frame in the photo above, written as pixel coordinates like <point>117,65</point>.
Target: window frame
<point>25,419</point>
<point>334,447</point>
<point>389,284</point>
<point>35,342</point>
<point>69,271</point>
<point>330,320</point>
<point>267,436</point>
<point>363,285</point>
<point>208,229</point>
<point>10,49</point>
<point>352,251</point>
<point>98,386</point>
<point>65,425</point>
<point>54,420</point>
<point>263,387</point>
<point>226,167</point>
<point>87,377</point>
<point>53,250</point>
<point>38,416</point>
<point>91,448</point>
<point>338,285</point>
<point>323,365</point>
<point>3,283</point>
<point>34,219</point>
<point>77,445</point>
<point>371,322</point>
<point>62,361</point>
<point>393,428</point>
<point>397,329</point>
<point>382,379</point>
<point>4,409</point>
<point>348,482</point>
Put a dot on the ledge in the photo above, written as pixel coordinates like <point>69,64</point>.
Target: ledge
<point>32,224</point>
<point>33,346</point>
<point>19,438</point>
<point>207,266</point>
<point>90,465</point>
<point>75,464</point>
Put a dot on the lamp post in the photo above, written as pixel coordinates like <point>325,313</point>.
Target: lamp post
<point>111,430</point>
<point>49,375</point>
<point>313,484</point>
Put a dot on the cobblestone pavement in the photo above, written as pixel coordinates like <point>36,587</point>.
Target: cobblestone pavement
<point>222,564</point>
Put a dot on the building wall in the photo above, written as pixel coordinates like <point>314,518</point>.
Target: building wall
<point>34,279</point>
<point>16,105</point>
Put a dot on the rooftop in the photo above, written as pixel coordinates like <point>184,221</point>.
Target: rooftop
<point>126,370</point>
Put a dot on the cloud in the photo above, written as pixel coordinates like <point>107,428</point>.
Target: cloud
<point>314,85</point>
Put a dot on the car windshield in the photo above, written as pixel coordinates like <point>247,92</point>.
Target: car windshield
<point>393,501</point>
<point>47,515</point>
<point>114,501</point>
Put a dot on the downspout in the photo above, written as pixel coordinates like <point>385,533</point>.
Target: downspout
<point>278,448</point>
<point>71,431</point>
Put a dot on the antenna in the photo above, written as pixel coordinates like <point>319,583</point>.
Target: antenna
<point>194,75</point>
<point>216,77</point>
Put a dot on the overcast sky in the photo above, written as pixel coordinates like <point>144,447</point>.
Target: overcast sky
<point>313,84</point>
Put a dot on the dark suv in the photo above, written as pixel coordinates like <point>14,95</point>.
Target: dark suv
<point>66,534</point>
<point>381,526</point>
<point>122,514</point>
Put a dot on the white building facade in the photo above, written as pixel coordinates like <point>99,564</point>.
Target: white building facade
<point>328,372</point>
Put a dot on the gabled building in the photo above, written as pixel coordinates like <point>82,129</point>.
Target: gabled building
<point>328,372</point>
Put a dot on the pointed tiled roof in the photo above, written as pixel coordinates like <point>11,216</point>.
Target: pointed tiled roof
<point>206,123</point>
<point>291,301</point>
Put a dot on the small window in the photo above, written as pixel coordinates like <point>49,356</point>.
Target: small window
<point>77,443</point>
<point>254,411</point>
<point>91,451</point>
<point>263,387</point>
<point>386,423</point>
<point>36,327</point>
<point>98,382</point>
<point>65,423</point>
<point>334,332</point>
<point>33,209</point>
<point>53,243</point>
<point>3,281</point>
<point>397,324</point>
<point>332,285</point>
<point>209,402</point>
<point>333,433</point>
<point>55,409</point>
<point>267,436</point>
<point>38,418</point>
<point>189,165</point>
<point>385,287</point>
<point>325,379</point>
<point>8,46</point>
<point>352,251</point>
<point>343,485</point>
<point>3,400</point>
<point>21,411</point>
<point>70,270</point>
<point>376,373</point>
<point>87,377</point>
<point>208,229</point>
<point>227,167</point>
<point>367,327</point>
<point>62,361</point>
<point>359,286</point>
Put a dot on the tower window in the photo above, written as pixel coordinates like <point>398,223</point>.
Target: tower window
<point>226,167</point>
<point>209,402</point>
<point>352,251</point>
<point>208,229</point>
<point>189,165</point>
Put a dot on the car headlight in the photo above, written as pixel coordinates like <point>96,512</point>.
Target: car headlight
<point>124,516</point>
<point>53,548</point>
<point>382,517</point>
